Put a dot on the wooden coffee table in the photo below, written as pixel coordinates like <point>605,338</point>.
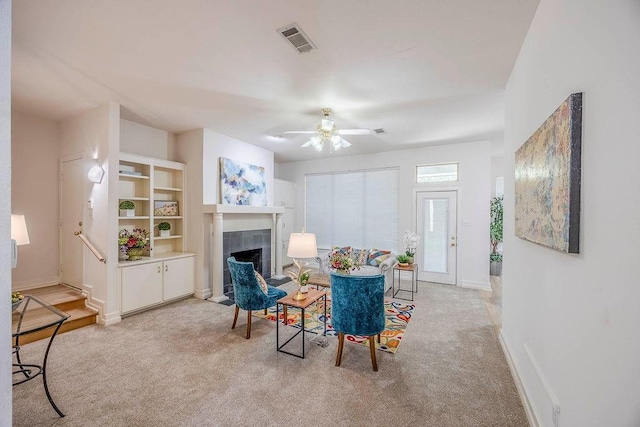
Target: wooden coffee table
<point>320,280</point>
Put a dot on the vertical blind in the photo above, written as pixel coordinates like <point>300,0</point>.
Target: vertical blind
<point>358,209</point>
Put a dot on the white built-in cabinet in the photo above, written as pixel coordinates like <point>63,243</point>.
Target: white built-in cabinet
<point>284,195</point>
<point>166,271</point>
<point>151,283</point>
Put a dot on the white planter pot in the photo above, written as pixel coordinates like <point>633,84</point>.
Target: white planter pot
<point>165,233</point>
<point>127,212</point>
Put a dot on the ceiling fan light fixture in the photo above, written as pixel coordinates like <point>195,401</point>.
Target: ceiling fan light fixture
<point>327,124</point>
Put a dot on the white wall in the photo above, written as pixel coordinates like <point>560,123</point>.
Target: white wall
<point>143,140</point>
<point>474,194</point>
<point>201,150</point>
<point>216,145</point>
<point>34,194</point>
<point>95,135</point>
<point>570,322</point>
<point>189,151</point>
<point>5,213</point>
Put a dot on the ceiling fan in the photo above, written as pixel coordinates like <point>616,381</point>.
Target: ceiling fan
<point>326,132</point>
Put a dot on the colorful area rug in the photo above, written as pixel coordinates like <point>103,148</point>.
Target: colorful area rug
<point>397,318</point>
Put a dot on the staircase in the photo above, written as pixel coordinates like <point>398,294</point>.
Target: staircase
<point>64,298</point>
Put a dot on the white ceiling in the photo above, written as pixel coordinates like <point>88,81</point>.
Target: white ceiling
<point>426,71</point>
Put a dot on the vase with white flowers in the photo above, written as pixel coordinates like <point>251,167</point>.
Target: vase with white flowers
<point>411,240</point>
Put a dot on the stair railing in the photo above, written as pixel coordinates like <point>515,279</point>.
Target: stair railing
<point>90,246</point>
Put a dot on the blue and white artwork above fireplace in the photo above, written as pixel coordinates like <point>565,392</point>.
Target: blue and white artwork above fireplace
<point>242,183</point>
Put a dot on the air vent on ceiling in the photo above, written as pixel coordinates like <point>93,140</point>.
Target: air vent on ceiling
<point>379,131</point>
<point>298,39</point>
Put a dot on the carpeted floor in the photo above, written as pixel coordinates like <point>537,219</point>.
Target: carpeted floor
<point>182,365</point>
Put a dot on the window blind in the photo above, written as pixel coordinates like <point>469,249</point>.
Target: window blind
<point>358,209</point>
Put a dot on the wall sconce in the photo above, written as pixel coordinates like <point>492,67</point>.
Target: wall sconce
<point>96,173</point>
<point>19,236</point>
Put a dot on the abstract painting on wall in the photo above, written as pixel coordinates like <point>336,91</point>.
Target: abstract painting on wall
<point>547,180</point>
<point>242,183</point>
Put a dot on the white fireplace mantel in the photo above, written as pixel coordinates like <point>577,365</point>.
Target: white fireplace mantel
<point>217,263</point>
<point>241,209</point>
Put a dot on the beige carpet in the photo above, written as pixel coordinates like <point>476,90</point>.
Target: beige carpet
<point>182,365</point>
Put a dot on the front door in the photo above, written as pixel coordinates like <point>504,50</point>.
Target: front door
<point>72,178</point>
<point>436,223</point>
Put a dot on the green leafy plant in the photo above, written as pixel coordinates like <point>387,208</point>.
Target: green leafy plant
<point>304,278</point>
<point>403,259</point>
<point>495,227</point>
<point>127,204</point>
<point>164,226</point>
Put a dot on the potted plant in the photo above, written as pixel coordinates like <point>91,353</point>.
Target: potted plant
<point>164,228</point>
<point>127,208</point>
<point>403,260</point>
<point>411,240</point>
<point>133,244</point>
<point>495,235</point>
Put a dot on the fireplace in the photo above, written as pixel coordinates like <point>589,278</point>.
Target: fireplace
<point>252,255</point>
<point>249,246</point>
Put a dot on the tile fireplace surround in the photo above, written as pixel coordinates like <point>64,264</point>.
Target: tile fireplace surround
<point>237,241</point>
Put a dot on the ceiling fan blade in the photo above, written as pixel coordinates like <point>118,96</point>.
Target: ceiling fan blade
<point>300,131</point>
<point>354,132</point>
<point>344,143</point>
<point>306,144</point>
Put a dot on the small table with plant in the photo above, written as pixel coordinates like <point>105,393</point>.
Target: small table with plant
<point>400,267</point>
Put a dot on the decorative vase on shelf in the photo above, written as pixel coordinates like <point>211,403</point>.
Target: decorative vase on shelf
<point>165,233</point>
<point>135,253</point>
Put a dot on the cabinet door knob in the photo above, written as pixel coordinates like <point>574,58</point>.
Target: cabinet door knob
<point>158,269</point>
<point>166,268</point>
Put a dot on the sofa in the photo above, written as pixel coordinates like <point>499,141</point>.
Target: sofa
<point>371,262</point>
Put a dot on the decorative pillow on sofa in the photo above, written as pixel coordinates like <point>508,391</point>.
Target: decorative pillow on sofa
<point>377,257</point>
<point>262,283</point>
<point>360,256</point>
<point>346,250</point>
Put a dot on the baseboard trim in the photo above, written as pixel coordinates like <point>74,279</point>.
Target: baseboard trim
<point>26,285</point>
<point>469,284</point>
<point>528,409</point>
<point>202,293</point>
<point>110,319</point>
<point>220,298</point>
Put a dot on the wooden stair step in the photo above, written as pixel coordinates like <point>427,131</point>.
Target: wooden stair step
<point>66,299</point>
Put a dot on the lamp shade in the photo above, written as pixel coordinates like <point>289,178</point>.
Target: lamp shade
<point>302,245</point>
<point>19,230</point>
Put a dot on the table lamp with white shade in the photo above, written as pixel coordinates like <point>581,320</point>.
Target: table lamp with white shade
<point>19,236</point>
<point>301,245</point>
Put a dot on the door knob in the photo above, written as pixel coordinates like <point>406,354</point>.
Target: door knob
<point>80,223</point>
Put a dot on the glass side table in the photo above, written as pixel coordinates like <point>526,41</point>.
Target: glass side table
<point>33,315</point>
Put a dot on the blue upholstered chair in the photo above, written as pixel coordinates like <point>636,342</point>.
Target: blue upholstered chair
<point>248,293</point>
<point>357,308</point>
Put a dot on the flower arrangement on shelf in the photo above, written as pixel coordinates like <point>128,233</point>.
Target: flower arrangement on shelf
<point>343,263</point>
<point>133,243</point>
<point>411,240</point>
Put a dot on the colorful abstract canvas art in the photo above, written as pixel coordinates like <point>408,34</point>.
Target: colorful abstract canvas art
<point>242,183</point>
<point>547,180</point>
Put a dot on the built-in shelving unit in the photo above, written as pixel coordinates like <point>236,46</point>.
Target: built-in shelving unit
<point>156,188</point>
